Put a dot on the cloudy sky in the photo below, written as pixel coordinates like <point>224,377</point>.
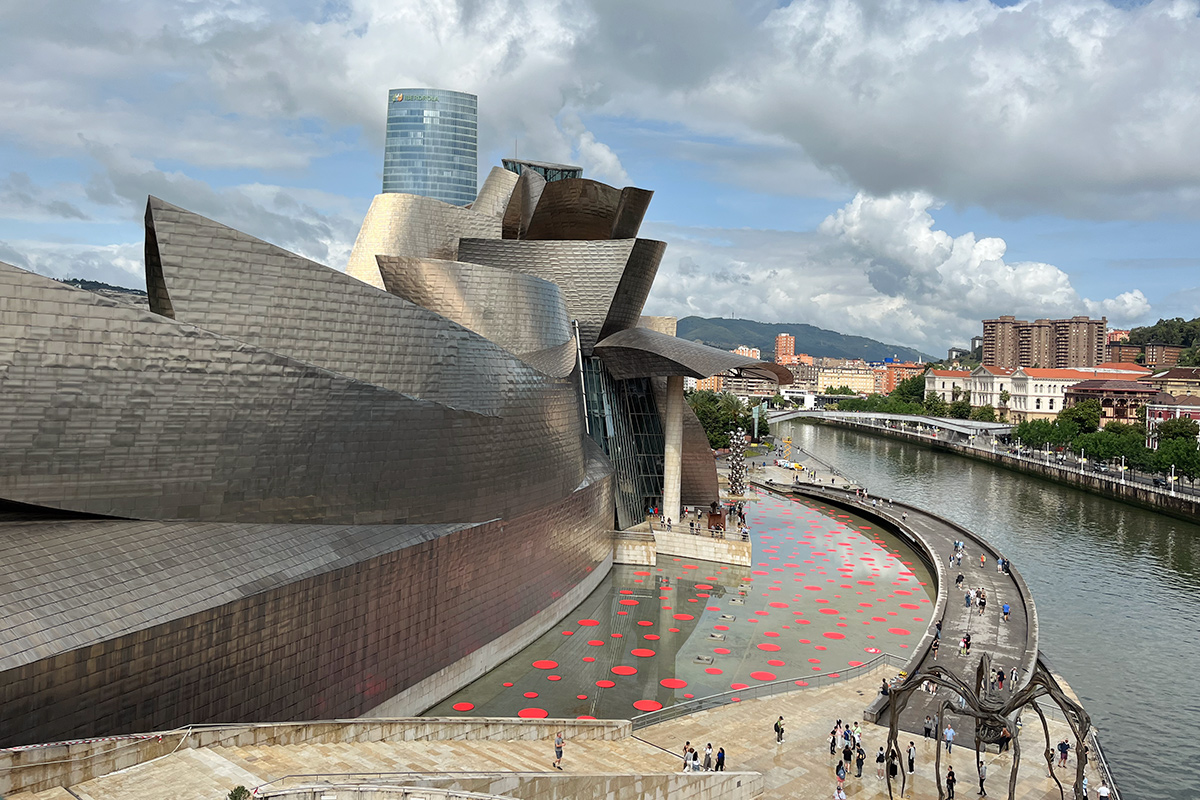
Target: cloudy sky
<point>897,169</point>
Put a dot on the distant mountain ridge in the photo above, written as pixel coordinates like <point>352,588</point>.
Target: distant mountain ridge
<point>729,333</point>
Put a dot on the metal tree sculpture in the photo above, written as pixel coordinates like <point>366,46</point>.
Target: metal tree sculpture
<point>991,716</point>
<point>737,463</point>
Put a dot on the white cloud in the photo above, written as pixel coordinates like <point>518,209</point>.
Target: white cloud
<point>876,267</point>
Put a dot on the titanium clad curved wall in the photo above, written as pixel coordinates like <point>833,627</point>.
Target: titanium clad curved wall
<point>234,285</point>
<point>494,194</point>
<point>576,208</point>
<point>518,312</point>
<point>643,352</point>
<point>522,203</point>
<point>630,212</point>
<point>113,410</point>
<point>589,273</point>
<point>409,225</point>
<point>348,622</point>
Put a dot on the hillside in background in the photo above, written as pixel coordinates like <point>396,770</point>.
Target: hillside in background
<point>729,333</point>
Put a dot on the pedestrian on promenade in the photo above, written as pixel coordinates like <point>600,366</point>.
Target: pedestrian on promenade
<point>982,603</point>
<point>879,759</point>
<point>934,648</point>
<point>967,600</point>
<point>1000,679</point>
<point>962,646</point>
<point>687,748</point>
<point>840,771</point>
<point>948,735</point>
<point>982,560</point>
<point>1005,739</point>
<point>937,629</point>
<point>779,731</point>
<point>982,778</point>
<point>668,524</point>
<point>950,781</point>
<point>967,642</point>
<point>958,581</point>
<point>1103,792</point>
<point>859,759</point>
<point>558,749</point>
<point>695,760</point>
<point>893,764</point>
<point>857,735</point>
<point>912,758</point>
<point>904,516</point>
<point>1005,609</point>
<point>999,565</point>
<point>847,755</point>
<point>960,555</point>
<point>928,727</point>
<point>1012,677</point>
<point>708,757</point>
<point>720,759</point>
<point>1064,748</point>
<point>833,740</point>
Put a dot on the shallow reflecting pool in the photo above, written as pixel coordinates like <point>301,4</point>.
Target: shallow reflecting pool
<point>827,591</point>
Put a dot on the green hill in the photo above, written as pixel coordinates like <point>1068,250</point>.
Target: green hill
<point>729,333</point>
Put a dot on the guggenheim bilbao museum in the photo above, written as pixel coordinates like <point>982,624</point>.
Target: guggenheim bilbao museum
<point>287,492</point>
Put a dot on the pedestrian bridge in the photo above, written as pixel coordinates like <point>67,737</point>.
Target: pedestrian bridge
<point>953,429</point>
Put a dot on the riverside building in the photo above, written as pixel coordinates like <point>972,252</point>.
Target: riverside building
<point>431,147</point>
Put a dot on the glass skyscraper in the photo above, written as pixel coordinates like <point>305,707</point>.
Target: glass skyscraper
<point>431,147</point>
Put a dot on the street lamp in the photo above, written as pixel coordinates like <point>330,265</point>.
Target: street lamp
<point>1172,479</point>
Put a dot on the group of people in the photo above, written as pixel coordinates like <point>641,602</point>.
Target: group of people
<point>693,763</point>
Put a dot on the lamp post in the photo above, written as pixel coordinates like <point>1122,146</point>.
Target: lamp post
<point>1172,480</point>
<point>1122,469</point>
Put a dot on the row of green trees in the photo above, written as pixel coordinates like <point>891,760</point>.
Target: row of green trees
<point>1078,429</point>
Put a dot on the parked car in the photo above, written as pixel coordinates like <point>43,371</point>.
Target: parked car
<point>1160,482</point>
<point>1098,467</point>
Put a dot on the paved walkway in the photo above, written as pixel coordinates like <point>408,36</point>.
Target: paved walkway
<point>800,767</point>
<point>1005,642</point>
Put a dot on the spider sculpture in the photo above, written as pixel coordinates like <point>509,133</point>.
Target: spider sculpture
<point>992,714</point>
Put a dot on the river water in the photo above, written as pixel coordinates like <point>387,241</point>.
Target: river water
<point>1117,590</point>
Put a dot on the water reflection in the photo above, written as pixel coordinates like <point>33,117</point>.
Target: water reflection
<point>1116,586</point>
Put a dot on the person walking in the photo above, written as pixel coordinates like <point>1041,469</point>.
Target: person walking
<point>1000,679</point>
<point>1064,748</point>
<point>1005,738</point>
<point>967,600</point>
<point>879,759</point>
<point>840,771</point>
<point>687,749</point>
<point>833,740</point>
<point>934,648</point>
<point>893,765</point>
<point>1004,609</point>
<point>928,727</point>
<point>947,735</point>
<point>912,758</point>
<point>982,778</point>
<point>857,735</point>
<point>982,603</point>
<point>847,756</point>
<point>695,760</point>
<point>558,749</point>
<point>982,560</point>
<point>967,642</point>
<point>708,757</point>
<point>860,758</point>
<point>720,759</point>
<point>779,731</point>
<point>950,781</point>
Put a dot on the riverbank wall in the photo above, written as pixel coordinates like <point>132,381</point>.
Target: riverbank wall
<point>1177,505</point>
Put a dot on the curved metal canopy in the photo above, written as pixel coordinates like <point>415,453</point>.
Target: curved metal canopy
<point>641,353</point>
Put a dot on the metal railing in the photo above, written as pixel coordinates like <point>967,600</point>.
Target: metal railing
<point>423,792</point>
<point>767,689</point>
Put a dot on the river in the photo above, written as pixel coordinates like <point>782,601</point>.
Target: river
<point>1117,590</point>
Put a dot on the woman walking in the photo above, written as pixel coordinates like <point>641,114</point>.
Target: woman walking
<point>708,757</point>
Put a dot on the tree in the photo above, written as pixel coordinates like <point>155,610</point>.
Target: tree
<point>1035,433</point>
<point>983,414</point>
<point>1181,454</point>
<point>1004,398</point>
<point>843,389</point>
<point>239,793</point>
<point>1178,428</point>
<point>1085,415</point>
<point>910,390</point>
<point>960,409</point>
<point>935,406</point>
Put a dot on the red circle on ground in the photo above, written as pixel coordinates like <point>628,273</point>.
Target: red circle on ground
<point>834,635</point>
<point>767,646</point>
<point>653,637</point>
<point>624,670</point>
<point>545,664</point>
<point>596,642</point>
<point>605,684</point>
<point>763,676</point>
<point>721,651</point>
<point>898,631</point>
<point>628,602</point>
<point>641,652</point>
<point>554,677</point>
<point>775,662</point>
<point>533,713</point>
<point>684,616</point>
<point>714,670</point>
<point>581,697</point>
<point>673,683</point>
<point>531,695</point>
<point>647,705</point>
<point>508,684</point>
<point>589,623</point>
<point>463,706</point>
<point>738,686</point>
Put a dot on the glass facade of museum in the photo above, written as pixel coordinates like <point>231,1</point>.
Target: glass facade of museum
<point>432,146</point>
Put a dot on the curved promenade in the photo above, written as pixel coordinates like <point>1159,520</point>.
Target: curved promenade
<point>1011,644</point>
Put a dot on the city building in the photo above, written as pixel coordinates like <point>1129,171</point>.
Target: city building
<point>895,373</point>
<point>431,145</point>
<point>1120,400</point>
<point>1161,356</point>
<point>1114,336</point>
<point>785,349</point>
<point>1167,407</point>
<point>1059,343</point>
<point>284,494</point>
<point>748,352</point>
<point>861,380</point>
<point>1176,381</point>
<point>945,383</point>
<point>714,383</point>
<point>1036,393</point>
<point>955,353</point>
<point>986,383</point>
<point>976,343</point>
<point>1121,350</point>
